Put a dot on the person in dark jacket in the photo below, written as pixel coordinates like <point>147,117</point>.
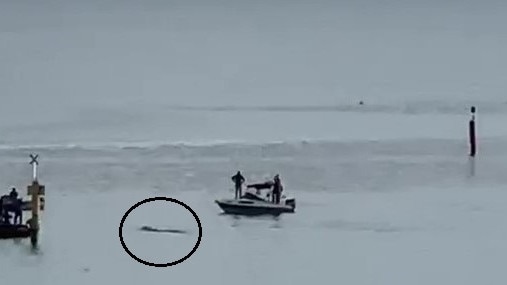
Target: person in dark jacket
<point>5,216</point>
<point>13,194</point>
<point>277,189</point>
<point>238,180</point>
<point>1,210</point>
<point>11,204</point>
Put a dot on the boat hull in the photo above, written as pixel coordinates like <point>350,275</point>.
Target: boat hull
<point>253,208</point>
<point>14,231</point>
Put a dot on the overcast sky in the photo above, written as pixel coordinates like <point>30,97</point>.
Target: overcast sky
<point>80,53</point>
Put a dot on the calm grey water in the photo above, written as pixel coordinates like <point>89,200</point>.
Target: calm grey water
<point>367,213</point>
<point>126,100</point>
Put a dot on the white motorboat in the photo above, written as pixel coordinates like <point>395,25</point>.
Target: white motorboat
<point>254,204</point>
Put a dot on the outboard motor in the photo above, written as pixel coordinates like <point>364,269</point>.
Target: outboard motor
<point>291,203</point>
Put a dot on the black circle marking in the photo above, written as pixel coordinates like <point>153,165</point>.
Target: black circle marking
<point>168,200</point>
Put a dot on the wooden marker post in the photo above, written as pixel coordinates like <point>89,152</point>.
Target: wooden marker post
<point>36,191</point>
<point>473,143</point>
<point>471,133</point>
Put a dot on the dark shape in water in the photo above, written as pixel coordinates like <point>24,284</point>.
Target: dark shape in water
<point>151,229</point>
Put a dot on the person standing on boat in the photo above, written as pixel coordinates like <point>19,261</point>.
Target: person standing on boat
<point>238,180</point>
<point>277,189</point>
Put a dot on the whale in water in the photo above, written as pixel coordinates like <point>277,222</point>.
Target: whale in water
<point>156,230</point>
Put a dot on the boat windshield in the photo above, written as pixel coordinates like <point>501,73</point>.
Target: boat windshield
<point>252,196</point>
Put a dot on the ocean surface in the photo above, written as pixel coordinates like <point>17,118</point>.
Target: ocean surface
<point>125,101</point>
<point>381,209</point>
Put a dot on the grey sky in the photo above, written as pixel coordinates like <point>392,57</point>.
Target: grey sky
<point>80,53</point>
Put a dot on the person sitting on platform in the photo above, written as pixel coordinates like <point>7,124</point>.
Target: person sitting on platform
<point>1,207</point>
<point>14,193</point>
<point>6,218</point>
<point>4,215</point>
<point>11,204</point>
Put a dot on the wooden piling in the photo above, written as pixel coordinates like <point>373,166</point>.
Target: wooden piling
<point>472,133</point>
<point>36,191</point>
